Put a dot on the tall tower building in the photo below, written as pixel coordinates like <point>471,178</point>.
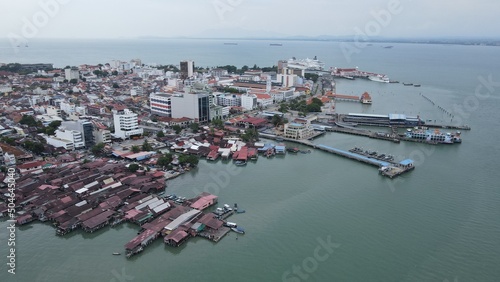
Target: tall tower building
<point>187,69</point>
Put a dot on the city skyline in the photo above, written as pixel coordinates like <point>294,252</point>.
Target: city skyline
<point>239,19</point>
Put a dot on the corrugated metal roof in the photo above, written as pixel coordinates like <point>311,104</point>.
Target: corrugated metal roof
<point>181,219</point>
<point>161,207</point>
<point>145,204</point>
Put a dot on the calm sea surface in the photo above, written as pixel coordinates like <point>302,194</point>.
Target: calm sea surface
<point>440,222</point>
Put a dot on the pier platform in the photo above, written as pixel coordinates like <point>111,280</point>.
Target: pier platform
<point>387,168</point>
<point>390,169</point>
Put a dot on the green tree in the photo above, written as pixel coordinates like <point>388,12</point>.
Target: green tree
<point>270,69</point>
<point>146,146</point>
<point>136,149</point>
<point>250,135</point>
<point>97,148</point>
<point>28,120</point>
<point>317,101</point>
<point>114,72</point>
<point>218,123</point>
<point>51,128</point>
<point>313,108</point>
<point>195,127</point>
<point>8,140</point>
<point>188,159</point>
<point>115,85</point>
<point>283,108</point>
<point>277,120</point>
<point>311,76</point>
<point>73,81</point>
<point>133,167</point>
<point>35,147</point>
<point>160,134</point>
<point>177,129</point>
<point>164,160</point>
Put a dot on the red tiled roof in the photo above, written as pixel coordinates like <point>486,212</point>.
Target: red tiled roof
<point>31,165</point>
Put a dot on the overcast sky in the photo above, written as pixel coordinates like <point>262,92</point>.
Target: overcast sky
<point>240,18</point>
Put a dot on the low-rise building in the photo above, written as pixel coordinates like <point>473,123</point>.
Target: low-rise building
<point>264,100</point>
<point>298,131</point>
<point>60,143</point>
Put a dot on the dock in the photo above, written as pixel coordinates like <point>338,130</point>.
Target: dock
<point>447,126</point>
<point>391,120</point>
<point>390,169</point>
<point>387,168</point>
<point>365,133</point>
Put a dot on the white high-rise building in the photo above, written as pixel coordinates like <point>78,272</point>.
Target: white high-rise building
<point>71,73</point>
<point>249,101</point>
<point>126,124</point>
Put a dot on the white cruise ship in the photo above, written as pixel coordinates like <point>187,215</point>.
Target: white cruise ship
<point>379,78</point>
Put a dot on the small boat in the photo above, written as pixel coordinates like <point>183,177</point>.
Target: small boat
<point>416,85</point>
<point>238,230</point>
<point>240,211</point>
<point>240,163</point>
<point>116,254</point>
<point>407,84</point>
<point>348,77</point>
<point>275,44</point>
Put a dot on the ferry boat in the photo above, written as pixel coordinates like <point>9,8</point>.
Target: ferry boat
<point>434,136</point>
<point>379,78</point>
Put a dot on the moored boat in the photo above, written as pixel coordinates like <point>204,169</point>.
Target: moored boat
<point>240,163</point>
<point>238,230</point>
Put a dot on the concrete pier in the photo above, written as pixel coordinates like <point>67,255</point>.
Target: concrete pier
<point>390,169</point>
